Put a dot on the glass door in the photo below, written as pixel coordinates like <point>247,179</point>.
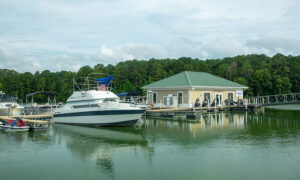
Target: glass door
<point>219,99</point>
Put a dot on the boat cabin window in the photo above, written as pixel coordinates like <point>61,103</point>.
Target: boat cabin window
<point>94,105</point>
<point>85,106</point>
<point>81,106</point>
<point>7,105</point>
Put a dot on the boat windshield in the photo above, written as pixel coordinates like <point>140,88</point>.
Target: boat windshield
<point>110,100</point>
<point>7,98</point>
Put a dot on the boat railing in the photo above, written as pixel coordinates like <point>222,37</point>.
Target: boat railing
<point>134,99</point>
<point>8,100</point>
<point>90,83</point>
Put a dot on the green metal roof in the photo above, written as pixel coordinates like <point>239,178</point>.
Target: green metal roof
<point>189,79</point>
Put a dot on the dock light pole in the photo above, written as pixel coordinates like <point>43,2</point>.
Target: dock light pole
<point>8,111</point>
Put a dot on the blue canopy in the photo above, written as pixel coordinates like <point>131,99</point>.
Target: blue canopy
<point>122,94</point>
<point>129,94</point>
<point>105,80</point>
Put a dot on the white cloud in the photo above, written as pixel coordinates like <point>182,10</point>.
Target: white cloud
<point>57,35</point>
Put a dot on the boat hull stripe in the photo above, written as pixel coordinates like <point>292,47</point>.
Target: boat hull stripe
<point>93,113</point>
<point>123,123</point>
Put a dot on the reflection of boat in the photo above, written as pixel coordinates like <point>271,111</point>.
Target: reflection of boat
<point>17,125</point>
<point>8,106</point>
<point>100,144</point>
<point>95,105</point>
<point>102,133</point>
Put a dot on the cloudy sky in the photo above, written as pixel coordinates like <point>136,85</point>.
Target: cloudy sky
<point>67,34</point>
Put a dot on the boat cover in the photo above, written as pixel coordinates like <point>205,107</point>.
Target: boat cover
<point>106,80</point>
<point>50,93</point>
<point>129,94</point>
<point>18,122</point>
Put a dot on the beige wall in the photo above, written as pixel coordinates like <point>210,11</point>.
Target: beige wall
<point>194,94</point>
<point>200,94</point>
<point>162,93</point>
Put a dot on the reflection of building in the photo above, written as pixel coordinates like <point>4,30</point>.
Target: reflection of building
<point>203,122</point>
<point>186,88</point>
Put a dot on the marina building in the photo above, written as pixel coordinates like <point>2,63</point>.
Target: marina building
<point>193,89</point>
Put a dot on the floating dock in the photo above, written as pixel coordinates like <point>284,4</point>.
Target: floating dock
<point>36,122</point>
<point>192,113</point>
<point>43,117</point>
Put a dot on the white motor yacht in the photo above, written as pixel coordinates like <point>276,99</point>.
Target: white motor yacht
<point>96,106</point>
<point>9,106</point>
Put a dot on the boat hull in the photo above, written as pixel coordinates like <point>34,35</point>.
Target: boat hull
<point>17,111</point>
<point>14,129</point>
<point>13,111</point>
<point>4,111</point>
<point>100,118</point>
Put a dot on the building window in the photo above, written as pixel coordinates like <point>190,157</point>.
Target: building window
<point>165,100</point>
<point>171,101</point>
<point>154,97</point>
<point>180,97</point>
<point>230,96</point>
<point>207,96</point>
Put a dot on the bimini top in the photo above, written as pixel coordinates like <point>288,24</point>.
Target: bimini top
<point>7,98</point>
<point>188,79</point>
<point>106,80</point>
<point>129,94</point>
<point>50,93</point>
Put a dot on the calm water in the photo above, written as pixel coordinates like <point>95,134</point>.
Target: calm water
<point>262,145</point>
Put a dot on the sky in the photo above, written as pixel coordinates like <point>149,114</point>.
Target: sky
<point>36,35</point>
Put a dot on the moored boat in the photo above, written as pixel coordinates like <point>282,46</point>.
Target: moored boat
<point>32,108</point>
<point>93,104</point>
<point>9,106</point>
<point>14,125</point>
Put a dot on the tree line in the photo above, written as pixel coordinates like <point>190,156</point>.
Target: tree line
<point>262,74</point>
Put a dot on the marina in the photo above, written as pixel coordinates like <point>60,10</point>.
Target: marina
<point>150,90</point>
<point>188,132</point>
<point>220,145</point>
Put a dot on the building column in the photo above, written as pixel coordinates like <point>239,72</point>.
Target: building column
<point>147,101</point>
<point>189,98</point>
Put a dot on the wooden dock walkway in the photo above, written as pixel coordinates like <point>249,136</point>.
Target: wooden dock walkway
<point>5,118</point>
<point>41,118</point>
<point>186,113</point>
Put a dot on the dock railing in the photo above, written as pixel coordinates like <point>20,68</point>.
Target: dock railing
<point>278,99</point>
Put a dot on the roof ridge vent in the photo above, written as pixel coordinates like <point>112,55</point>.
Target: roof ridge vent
<point>187,78</point>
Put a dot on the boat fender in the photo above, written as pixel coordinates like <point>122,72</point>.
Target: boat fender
<point>13,124</point>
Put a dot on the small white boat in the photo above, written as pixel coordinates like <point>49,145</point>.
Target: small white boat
<point>15,125</point>
<point>8,106</point>
<point>9,128</point>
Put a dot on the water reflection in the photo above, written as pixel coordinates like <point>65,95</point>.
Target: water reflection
<point>204,121</point>
<point>235,126</point>
<point>221,142</point>
<point>12,138</point>
<point>100,144</point>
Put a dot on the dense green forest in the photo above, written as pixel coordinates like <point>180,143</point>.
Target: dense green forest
<point>262,74</point>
